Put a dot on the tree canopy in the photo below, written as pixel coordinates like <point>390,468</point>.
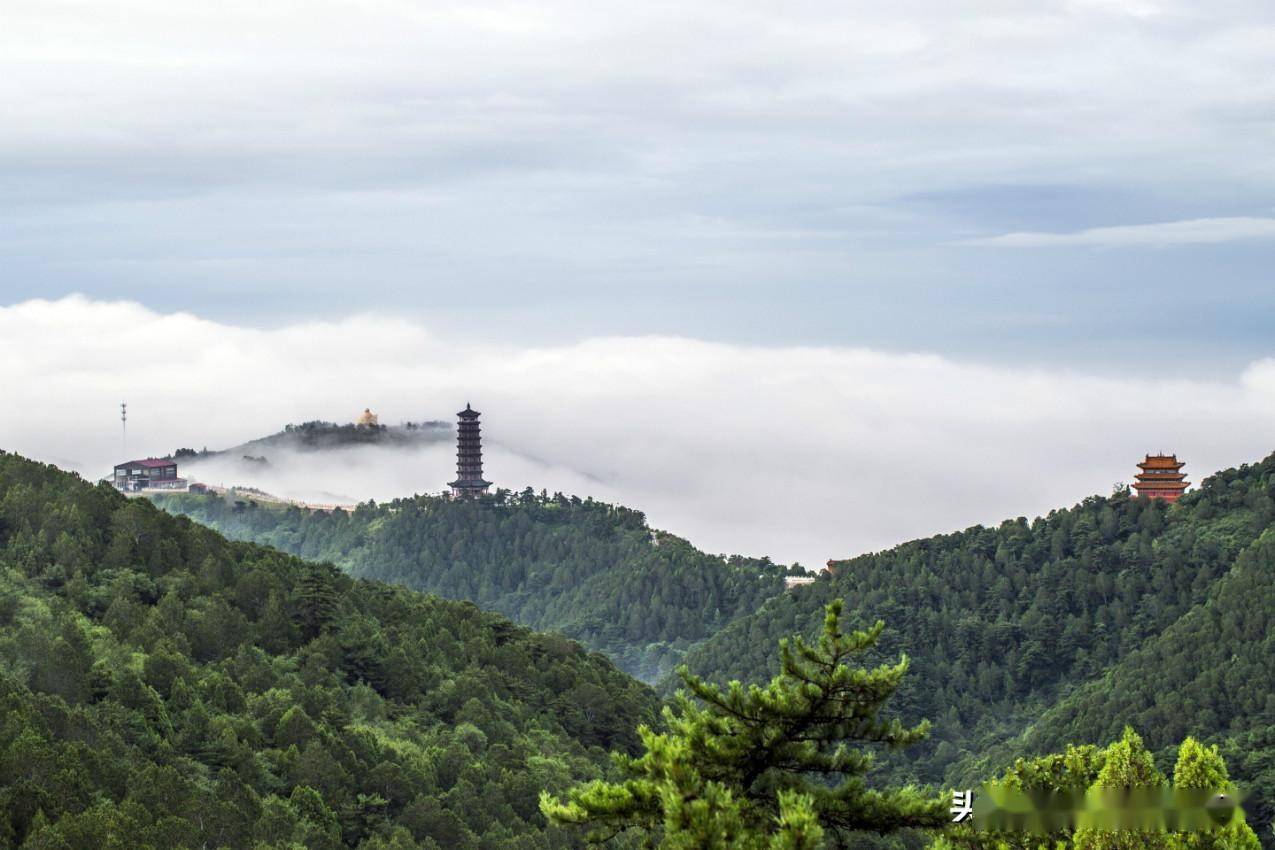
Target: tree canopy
<point>784,765</point>
<point>162,687</point>
<point>595,572</point>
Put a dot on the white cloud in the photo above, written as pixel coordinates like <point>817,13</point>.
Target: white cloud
<point>875,99</point>
<point>1195,231</point>
<point>804,453</point>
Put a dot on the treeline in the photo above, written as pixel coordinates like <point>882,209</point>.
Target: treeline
<point>163,687</point>
<point>593,571</point>
<point>1034,634</point>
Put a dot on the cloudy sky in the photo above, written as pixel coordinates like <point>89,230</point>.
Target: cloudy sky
<point>1066,207</point>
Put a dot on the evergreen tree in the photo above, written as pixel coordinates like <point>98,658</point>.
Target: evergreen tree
<point>1124,764</point>
<point>1202,767</point>
<point>1128,765</point>
<point>318,599</point>
<point>774,766</point>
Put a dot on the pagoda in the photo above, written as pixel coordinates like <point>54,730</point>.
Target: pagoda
<point>469,455</point>
<point>1161,478</point>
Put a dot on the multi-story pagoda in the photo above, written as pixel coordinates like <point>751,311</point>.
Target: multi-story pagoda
<point>469,455</point>
<point>1161,478</point>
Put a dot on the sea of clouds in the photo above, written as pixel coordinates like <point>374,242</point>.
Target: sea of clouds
<point>802,453</point>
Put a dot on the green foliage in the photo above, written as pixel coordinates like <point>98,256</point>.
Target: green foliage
<point>1124,764</point>
<point>1203,767</point>
<point>595,572</point>
<point>163,687</point>
<point>1030,635</point>
<point>1127,765</point>
<point>766,767</point>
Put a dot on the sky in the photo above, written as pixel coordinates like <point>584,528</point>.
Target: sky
<point>956,199</point>
<point>1061,181</point>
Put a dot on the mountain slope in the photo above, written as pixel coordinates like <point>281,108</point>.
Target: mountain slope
<point>1211,671</point>
<point>161,686</point>
<point>1063,629</point>
<point>593,571</point>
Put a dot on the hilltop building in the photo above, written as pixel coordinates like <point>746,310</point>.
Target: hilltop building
<point>367,419</point>
<point>151,473</point>
<point>1161,477</point>
<point>469,455</point>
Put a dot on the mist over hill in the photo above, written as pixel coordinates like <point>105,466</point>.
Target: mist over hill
<point>325,462</point>
<point>803,453</point>
<point>328,463</point>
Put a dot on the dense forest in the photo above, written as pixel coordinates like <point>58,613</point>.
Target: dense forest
<point>163,687</point>
<point>595,572</point>
<point>1034,634</point>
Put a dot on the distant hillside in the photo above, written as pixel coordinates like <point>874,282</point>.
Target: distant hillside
<point>327,463</point>
<point>1063,629</point>
<point>163,687</point>
<point>593,571</point>
<point>317,436</point>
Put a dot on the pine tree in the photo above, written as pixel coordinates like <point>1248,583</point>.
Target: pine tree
<point>1125,764</point>
<point>1201,767</point>
<point>778,766</point>
<point>318,599</point>
<point>1128,765</point>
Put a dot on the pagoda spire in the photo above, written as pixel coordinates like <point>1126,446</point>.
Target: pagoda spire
<point>1161,477</point>
<point>469,455</point>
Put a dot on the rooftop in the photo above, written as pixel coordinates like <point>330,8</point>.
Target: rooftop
<point>148,463</point>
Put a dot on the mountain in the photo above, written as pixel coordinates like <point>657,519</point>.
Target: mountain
<point>164,687</point>
<point>317,435</point>
<point>324,462</point>
<point>595,572</point>
<point>1062,630</point>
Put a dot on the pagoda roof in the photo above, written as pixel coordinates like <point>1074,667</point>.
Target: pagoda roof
<point>468,413</point>
<point>1161,462</point>
<point>1168,484</point>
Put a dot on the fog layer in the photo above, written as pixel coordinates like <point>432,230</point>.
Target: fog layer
<point>800,453</point>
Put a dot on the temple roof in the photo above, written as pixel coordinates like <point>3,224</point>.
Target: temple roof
<point>468,413</point>
<point>1161,462</point>
<point>1163,484</point>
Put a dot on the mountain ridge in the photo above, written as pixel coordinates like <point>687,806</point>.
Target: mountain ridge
<point>594,571</point>
<point>166,687</point>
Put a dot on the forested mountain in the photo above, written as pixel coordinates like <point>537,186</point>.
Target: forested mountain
<point>595,572</point>
<point>1062,630</point>
<point>163,687</point>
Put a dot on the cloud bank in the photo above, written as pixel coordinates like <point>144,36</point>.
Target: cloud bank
<point>803,453</point>
<point>1199,231</point>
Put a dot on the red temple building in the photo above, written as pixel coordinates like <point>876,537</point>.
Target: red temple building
<point>1161,478</point>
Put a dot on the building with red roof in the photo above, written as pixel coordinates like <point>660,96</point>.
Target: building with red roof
<point>149,473</point>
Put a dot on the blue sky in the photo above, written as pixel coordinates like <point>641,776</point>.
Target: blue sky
<point>1084,183</point>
